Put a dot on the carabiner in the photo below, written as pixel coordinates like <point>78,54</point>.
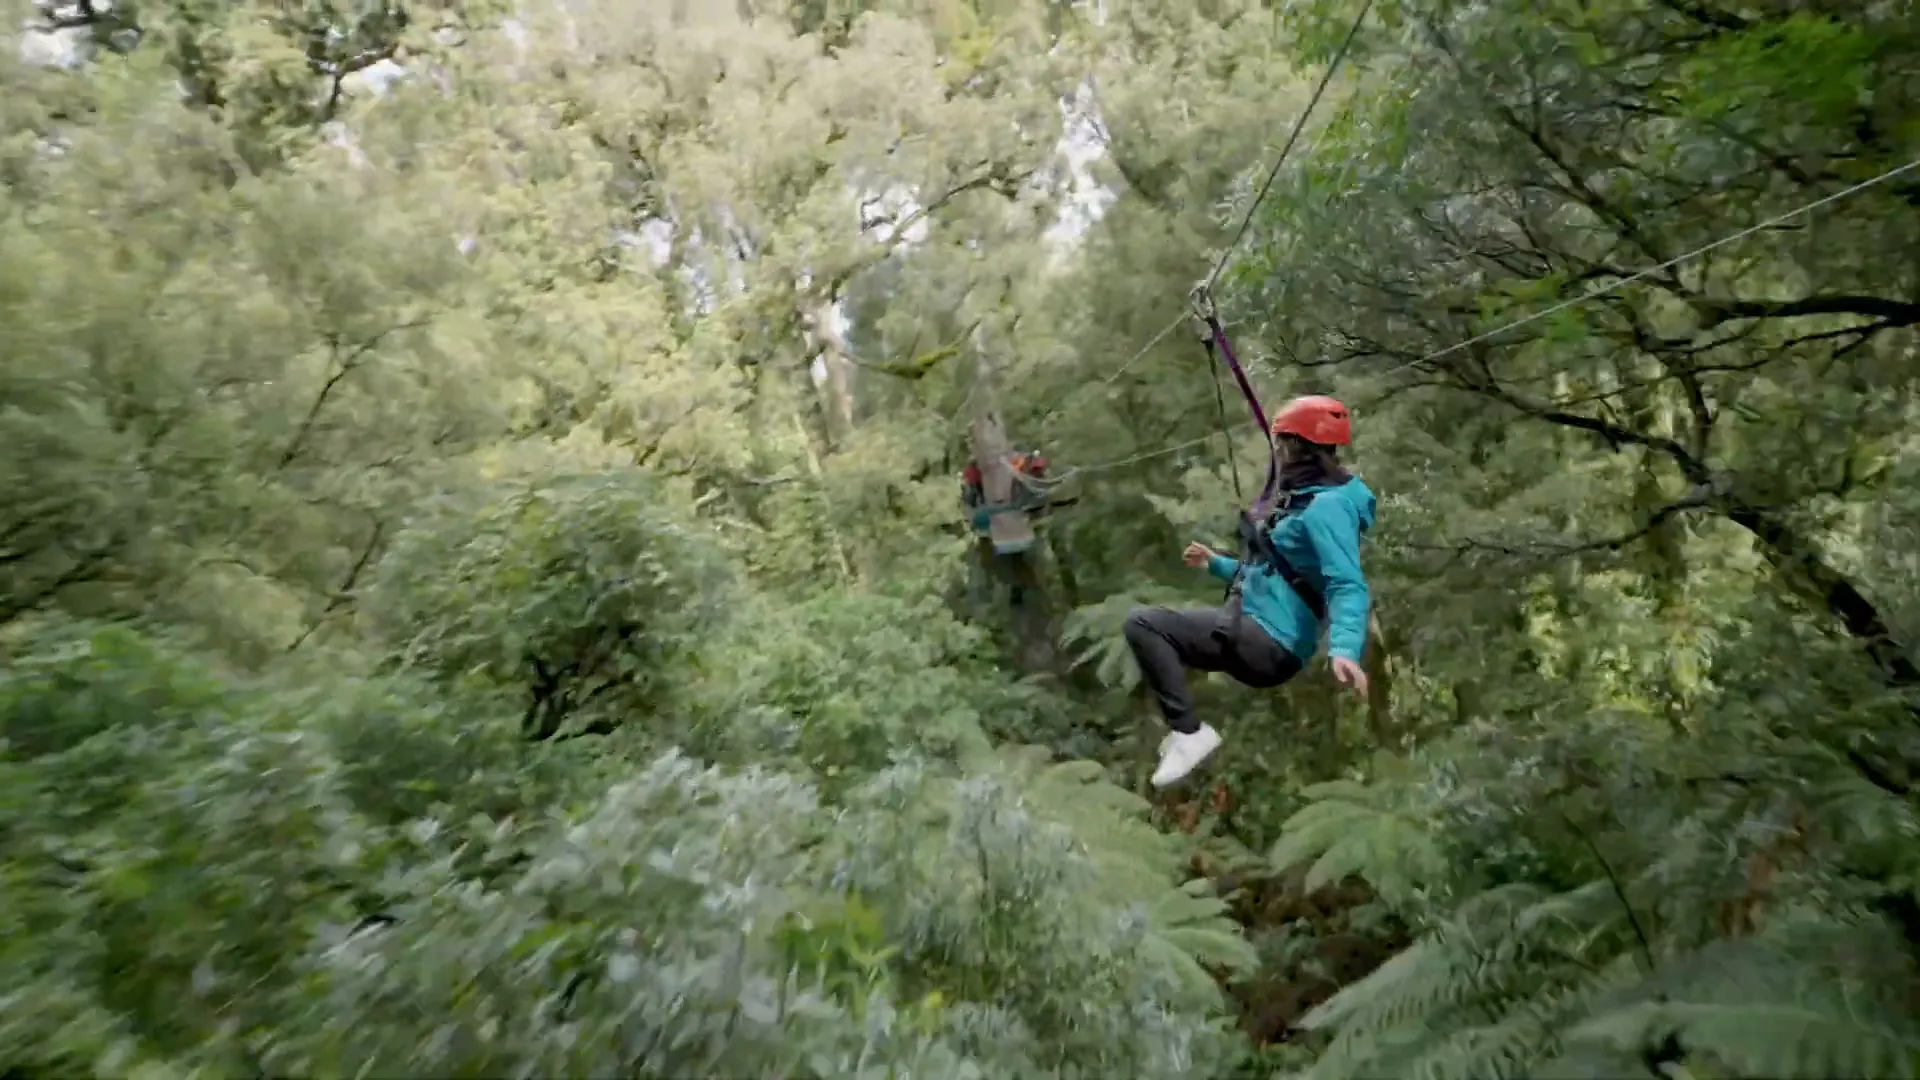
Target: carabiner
<point>1200,305</point>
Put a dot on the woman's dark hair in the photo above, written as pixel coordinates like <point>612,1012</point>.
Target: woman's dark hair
<point>1299,449</point>
<point>1308,464</point>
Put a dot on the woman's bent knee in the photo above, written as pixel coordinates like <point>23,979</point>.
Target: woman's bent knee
<point>1139,623</point>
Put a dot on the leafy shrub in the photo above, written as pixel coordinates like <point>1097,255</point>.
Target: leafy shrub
<point>583,592</point>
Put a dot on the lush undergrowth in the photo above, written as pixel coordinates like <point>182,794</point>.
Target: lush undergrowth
<point>482,592</point>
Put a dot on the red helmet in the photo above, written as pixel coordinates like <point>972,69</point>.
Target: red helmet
<point>1319,420</point>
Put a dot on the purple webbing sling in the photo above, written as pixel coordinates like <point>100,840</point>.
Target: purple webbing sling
<point>1269,493</point>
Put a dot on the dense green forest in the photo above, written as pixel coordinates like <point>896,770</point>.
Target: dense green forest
<point>484,590</point>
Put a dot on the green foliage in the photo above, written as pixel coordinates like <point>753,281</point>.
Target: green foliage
<point>141,769</point>
<point>250,877</point>
<point>1345,832</point>
<point>481,589</point>
<point>845,684</point>
<point>1655,748</point>
<point>1647,909</point>
<point>586,592</point>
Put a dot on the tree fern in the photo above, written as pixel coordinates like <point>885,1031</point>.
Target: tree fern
<point>1189,931</point>
<point>1521,982</point>
<point>1186,928</point>
<point>1093,632</point>
<point>1823,1039</point>
<point>1815,994</point>
<point>1352,829</point>
<point>1384,1013</point>
<point>1483,994</point>
<point>1101,820</point>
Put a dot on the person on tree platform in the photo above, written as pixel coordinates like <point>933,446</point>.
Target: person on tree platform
<point>1299,577</point>
<point>1028,468</point>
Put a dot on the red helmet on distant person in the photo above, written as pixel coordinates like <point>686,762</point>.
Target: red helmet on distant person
<point>1319,420</point>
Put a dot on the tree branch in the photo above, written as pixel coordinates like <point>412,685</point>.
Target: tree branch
<point>343,366</point>
<point>1698,498</point>
<point>1889,313</point>
<point>1807,573</point>
<point>344,594</point>
<point>1616,435</point>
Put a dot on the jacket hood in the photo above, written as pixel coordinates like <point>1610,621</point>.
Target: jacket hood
<point>1355,491</point>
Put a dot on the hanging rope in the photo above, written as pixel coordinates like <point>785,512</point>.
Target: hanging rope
<point>1226,430</point>
<point>1217,343</point>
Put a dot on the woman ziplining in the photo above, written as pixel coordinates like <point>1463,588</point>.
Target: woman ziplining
<point>1277,608</point>
<point>1298,576</point>
<point>1299,573</point>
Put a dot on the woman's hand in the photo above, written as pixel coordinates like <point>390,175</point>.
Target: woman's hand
<point>1350,674</point>
<point>1196,555</point>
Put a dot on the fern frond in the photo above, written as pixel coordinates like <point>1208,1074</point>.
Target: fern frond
<point>1423,977</point>
<point>1342,790</point>
<point>1575,909</point>
<point>1765,1040</point>
<point>1531,1014</point>
<point>1354,1055</point>
<point>1190,930</point>
<point>1187,904</point>
<point>1346,834</point>
<point>1191,950</point>
<point>1317,827</point>
<point>1493,1052</point>
<point>1187,931</point>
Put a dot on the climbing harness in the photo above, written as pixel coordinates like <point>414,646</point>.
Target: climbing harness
<point>1256,523</point>
<point>1256,544</point>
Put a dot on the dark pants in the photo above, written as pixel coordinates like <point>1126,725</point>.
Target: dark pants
<point>1167,642</point>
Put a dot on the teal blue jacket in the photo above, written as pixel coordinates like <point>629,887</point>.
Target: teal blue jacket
<point>1322,542</point>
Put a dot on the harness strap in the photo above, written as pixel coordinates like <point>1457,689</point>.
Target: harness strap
<point>1217,339</point>
<point>1256,538</point>
<point>1256,523</point>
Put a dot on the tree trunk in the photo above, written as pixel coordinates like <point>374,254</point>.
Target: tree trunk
<point>832,526</point>
<point>1011,533</point>
<point>837,364</point>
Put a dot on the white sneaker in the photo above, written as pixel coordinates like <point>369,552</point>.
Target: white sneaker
<point>1179,754</point>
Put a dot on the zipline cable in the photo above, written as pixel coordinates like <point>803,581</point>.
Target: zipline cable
<point>1246,220</point>
<point>1591,294</point>
<point>1142,351</point>
<point>1299,126</point>
<point>1109,378</point>
<point>1602,290</point>
<point>1045,484</point>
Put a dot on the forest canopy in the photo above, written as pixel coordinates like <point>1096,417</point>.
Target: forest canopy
<point>485,590</point>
